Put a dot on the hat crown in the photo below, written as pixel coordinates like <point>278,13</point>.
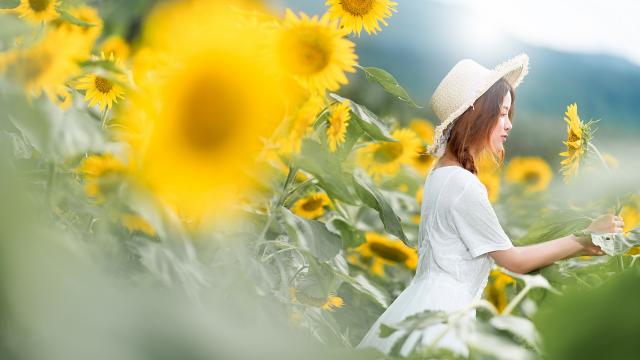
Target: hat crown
<point>458,87</point>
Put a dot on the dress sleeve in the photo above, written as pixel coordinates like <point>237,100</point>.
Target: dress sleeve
<point>476,222</point>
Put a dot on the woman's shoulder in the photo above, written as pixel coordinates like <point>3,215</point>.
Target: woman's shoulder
<point>464,183</point>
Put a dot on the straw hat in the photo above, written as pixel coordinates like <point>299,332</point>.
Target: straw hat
<point>462,86</point>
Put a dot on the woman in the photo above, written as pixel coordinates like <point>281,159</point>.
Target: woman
<point>460,238</point>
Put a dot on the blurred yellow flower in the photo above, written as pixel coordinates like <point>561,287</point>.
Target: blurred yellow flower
<point>337,124</point>
<point>301,124</point>
<point>357,14</point>
<point>44,66</point>
<point>489,175</point>
<point>423,161</point>
<point>492,182</point>
<point>531,171</point>
<point>103,90</point>
<point>631,216</point>
<point>115,45</point>
<point>81,37</point>
<point>380,251</point>
<point>311,206</point>
<point>102,174</point>
<point>496,292</point>
<point>578,137</point>
<point>314,52</point>
<point>423,128</point>
<point>205,122</point>
<point>420,194</point>
<point>38,10</point>
<point>384,158</point>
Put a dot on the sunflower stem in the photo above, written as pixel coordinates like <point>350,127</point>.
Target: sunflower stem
<point>514,302</point>
<point>604,163</point>
<point>103,117</point>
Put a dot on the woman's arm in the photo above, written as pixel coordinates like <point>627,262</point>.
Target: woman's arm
<point>523,259</point>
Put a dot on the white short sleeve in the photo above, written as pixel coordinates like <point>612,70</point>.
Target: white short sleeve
<point>476,222</point>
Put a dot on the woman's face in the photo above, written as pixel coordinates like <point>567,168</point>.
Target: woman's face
<point>502,128</point>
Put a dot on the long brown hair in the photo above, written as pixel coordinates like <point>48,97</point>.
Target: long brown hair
<point>472,129</point>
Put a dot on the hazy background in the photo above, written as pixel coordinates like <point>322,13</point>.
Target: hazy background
<point>579,52</point>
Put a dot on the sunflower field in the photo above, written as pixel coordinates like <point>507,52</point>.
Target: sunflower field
<point>202,188</point>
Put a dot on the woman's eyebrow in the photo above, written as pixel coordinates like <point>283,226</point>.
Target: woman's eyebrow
<point>505,107</point>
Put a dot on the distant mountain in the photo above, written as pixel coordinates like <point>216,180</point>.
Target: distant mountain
<point>425,39</point>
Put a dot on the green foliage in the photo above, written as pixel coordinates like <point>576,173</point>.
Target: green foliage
<point>373,198</point>
<point>388,83</point>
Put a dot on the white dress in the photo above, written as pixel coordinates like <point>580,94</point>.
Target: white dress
<point>458,227</point>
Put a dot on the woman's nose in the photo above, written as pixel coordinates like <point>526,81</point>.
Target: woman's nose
<point>508,125</point>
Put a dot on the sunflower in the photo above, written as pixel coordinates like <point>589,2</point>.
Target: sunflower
<point>631,216</point>
<point>356,14</point>
<point>82,37</point>
<point>314,52</point>
<point>423,128</point>
<point>384,158</point>
<point>301,125</point>
<point>115,45</point>
<point>489,175</point>
<point>311,206</point>
<point>531,171</point>
<point>136,223</point>
<point>337,124</point>
<point>380,250</point>
<point>578,137</point>
<point>496,291</point>
<point>103,90</point>
<point>420,194</point>
<point>38,10</point>
<point>45,66</point>
<point>423,161</point>
<point>205,122</point>
<point>102,174</point>
<point>328,303</point>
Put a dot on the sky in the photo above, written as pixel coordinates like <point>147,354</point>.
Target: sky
<point>589,26</point>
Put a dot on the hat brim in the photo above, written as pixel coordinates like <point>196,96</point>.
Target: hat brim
<point>513,70</point>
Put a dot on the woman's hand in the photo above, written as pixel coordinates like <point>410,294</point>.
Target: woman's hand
<point>607,223</point>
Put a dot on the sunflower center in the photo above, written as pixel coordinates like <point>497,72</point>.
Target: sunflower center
<point>388,252</point>
<point>357,7</point>
<point>103,85</point>
<point>423,157</point>
<point>39,5</point>
<point>312,204</point>
<point>388,152</point>
<point>208,114</point>
<point>310,53</point>
<point>531,177</point>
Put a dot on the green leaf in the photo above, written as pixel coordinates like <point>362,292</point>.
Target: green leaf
<point>320,280</point>
<point>101,64</point>
<point>374,199</point>
<point>553,225</point>
<point>367,120</point>
<point>415,322</point>
<point>362,284</point>
<point>519,326</point>
<point>351,237</point>
<point>66,16</point>
<point>9,4</point>
<point>388,83</point>
<point>311,235</point>
<point>326,168</point>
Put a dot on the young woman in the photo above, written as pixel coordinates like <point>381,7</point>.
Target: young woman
<point>460,238</point>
